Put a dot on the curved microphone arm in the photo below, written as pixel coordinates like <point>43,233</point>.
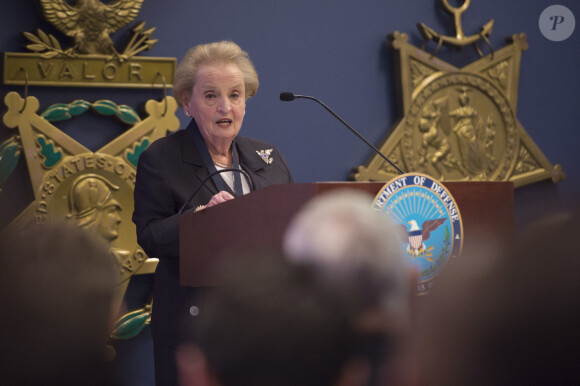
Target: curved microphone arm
<point>210,176</point>
<point>288,96</point>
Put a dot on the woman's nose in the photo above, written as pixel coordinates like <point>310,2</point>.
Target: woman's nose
<point>224,106</point>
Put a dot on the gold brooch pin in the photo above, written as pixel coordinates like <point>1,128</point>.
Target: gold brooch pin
<point>265,155</point>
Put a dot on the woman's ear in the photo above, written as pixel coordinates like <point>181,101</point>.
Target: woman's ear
<point>184,98</point>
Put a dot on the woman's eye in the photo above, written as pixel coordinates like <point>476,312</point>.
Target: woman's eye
<point>210,96</point>
<point>235,95</point>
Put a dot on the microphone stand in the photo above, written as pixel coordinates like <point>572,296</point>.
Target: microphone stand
<point>287,96</point>
<point>182,209</point>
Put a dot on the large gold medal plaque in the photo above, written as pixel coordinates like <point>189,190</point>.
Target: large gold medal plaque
<point>460,124</point>
<point>91,189</point>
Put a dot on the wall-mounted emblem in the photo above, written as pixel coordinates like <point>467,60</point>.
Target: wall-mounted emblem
<point>429,221</point>
<point>92,189</point>
<point>91,59</point>
<point>460,124</point>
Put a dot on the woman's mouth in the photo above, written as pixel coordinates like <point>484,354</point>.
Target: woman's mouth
<point>224,122</point>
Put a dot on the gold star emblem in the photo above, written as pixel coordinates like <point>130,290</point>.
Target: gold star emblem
<point>70,182</point>
<point>460,124</point>
<point>94,190</point>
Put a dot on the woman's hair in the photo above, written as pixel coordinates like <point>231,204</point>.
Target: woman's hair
<point>217,52</point>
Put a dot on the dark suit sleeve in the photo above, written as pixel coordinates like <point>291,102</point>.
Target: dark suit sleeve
<point>155,214</point>
<point>287,169</point>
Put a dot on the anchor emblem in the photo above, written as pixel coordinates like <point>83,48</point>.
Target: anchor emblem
<point>459,39</point>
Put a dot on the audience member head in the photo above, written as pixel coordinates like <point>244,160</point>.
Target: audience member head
<point>347,241</point>
<point>507,319</point>
<point>270,323</point>
<point>341,235</point>
<point>56,291</point>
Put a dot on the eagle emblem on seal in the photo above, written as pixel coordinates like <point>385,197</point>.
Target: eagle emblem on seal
<point>90,22</point>
<point>417,235</point>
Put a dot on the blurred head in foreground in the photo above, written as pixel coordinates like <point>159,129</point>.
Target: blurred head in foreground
<point>270,323</point>
<point>56,291</point>
<point>510,318</point>
<point>347,241</point>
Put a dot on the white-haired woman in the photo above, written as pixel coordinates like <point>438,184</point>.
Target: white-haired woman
<point>212,84</point>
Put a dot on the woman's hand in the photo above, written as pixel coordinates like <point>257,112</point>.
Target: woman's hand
<point>218,198</point>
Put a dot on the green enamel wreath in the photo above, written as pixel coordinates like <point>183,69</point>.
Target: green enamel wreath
<point>62,112</point>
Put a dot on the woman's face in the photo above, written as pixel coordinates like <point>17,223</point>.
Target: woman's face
<point>218,102</point>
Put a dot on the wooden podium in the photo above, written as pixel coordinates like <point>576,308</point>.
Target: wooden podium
<point>257,221</point>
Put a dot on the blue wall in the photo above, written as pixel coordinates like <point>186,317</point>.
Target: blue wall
<point>335,50</point>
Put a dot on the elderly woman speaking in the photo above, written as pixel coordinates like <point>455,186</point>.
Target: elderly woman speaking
<point>212,84</point>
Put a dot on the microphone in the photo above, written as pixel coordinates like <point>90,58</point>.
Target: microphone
<point>210,176</point>
<point>289,96</point>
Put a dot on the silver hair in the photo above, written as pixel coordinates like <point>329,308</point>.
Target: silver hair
<point>216,52</point>
<point>346,239</point>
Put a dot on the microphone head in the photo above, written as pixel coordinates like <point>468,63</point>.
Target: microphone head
<point>287,96</point>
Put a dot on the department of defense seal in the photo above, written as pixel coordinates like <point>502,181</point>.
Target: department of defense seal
<point>429,221</point>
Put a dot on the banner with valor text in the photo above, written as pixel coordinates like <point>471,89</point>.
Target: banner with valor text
<point>429,222</point>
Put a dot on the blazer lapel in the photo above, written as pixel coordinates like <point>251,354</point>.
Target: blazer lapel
<point>252,163</point>
<point>249,159</point>
<point>191,156</point>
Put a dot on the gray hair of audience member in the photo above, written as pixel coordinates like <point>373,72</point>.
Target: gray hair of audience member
<point>56,289</point>
<point>345,238</point>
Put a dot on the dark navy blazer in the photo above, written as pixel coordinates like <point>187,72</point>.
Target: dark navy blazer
<point>168,173</point>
